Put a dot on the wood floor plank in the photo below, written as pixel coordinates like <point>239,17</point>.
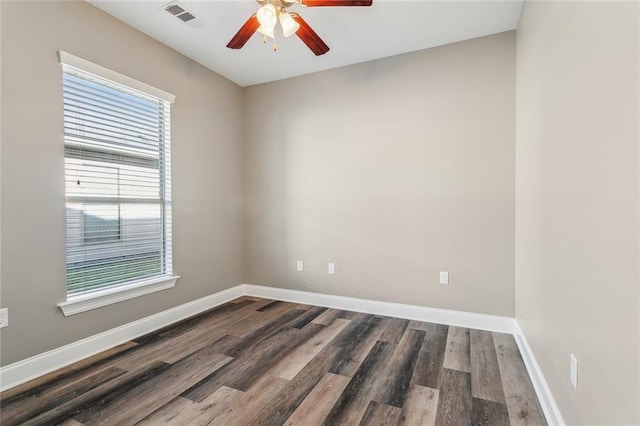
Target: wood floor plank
<point>308,316</point>
<point>489,413</point>
<point>401,367</point>
<point>246,369</point>
<point>215,320</point>
<point>354,400</point>
<point>177,411</point>
<point>486,382</point>
<point>355,341</point>
<point>393,330</point>
<point>263,332</point>
<point>181,411</point>
<point>359,326</point>
<point>303,306</point>
<point>378,414</point>
<point>70,422</point>
<point>69,374</point>
<point>244,409</point>
<point>214,314</point>
<point>420,407</point>
<point>522,403</point>
<point>267,354</point>
<point>158,391</point>
<point>327,317</point>
<point>458,353</point>
<point>349,314</point>
<point>318,403</point>
<point>260,303</point>
<point>172,345</point>
<point>274,304</point>
<point>174,349</point>
<point>419,325</point>
<point>215,405</point>
<point>291,365</point>
<point>454,399</point>
<point>219,346</point>
<point>98,396</point>
<point>243,325</point>
<point>285,403</point>
<point>55,396</point>
<point>216,317</point>
<point>170,349</point>
<point>252,318</point>
<point>428,371</point>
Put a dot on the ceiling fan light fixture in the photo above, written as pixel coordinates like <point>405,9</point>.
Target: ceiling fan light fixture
<point>267,31</point>
<point>270,12</point>
<point>289,25</point>
<point>268,16</point>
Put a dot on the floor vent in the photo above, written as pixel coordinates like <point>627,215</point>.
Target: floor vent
<point>185,16</point>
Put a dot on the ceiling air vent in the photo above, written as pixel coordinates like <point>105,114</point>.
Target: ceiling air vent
<point>185,16</point>
<point>174,9</point>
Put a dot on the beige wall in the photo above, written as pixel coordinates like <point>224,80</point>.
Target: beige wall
<point>395,170</point>
<point>577,279</point>
<point>207,170</point>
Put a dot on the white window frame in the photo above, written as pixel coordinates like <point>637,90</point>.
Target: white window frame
<point>102,297</point>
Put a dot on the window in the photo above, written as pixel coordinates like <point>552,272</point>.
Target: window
<point>117,180</point>
<point>100,223</point>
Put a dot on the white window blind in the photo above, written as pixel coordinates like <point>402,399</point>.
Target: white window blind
<point>117,183</point>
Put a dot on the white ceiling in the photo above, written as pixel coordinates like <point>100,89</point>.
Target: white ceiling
<point>354,34</point>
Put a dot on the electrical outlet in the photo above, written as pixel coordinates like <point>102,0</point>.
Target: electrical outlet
<point>299,266</point>
<point>332,268</point>
<point>4,317</point>
<point>444,277</point>
<point>573,371</point>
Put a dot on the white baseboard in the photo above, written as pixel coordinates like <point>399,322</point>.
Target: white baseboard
<point>548,403</point>
<point>419,313</point>
<point>38,365</point>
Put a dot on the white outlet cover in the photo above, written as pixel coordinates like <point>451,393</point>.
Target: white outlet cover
<point>573,371</point>
<point>299,266</point>
<point>332,268</point>
<point>4,317</point>
<point>444,277</point>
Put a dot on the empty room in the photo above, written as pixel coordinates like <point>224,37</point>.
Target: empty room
<point>319,212</point>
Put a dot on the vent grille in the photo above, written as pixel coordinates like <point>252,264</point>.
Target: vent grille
<point>174,9</point>
<point>185,16</point>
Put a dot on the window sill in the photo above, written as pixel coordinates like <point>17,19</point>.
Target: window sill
<point>98,299</point>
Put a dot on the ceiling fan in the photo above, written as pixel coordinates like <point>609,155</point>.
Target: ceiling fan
<point>264,21</point>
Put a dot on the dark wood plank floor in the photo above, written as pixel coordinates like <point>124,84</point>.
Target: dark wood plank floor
<point>263,362</point>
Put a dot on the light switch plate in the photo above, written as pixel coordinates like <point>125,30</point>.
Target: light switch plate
<point>332,268</point>
<point>299,266</point>
<point>444,277</point>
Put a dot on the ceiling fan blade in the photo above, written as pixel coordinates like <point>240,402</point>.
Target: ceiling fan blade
<point>319,3</point>
<point>244,33</point>
<point>309,37</point>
